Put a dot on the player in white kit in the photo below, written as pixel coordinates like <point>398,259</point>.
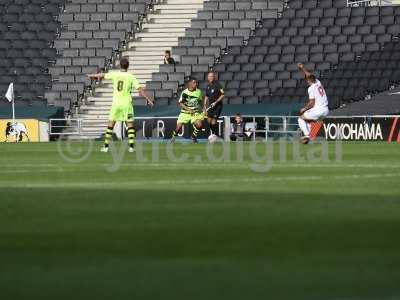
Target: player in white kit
<point>316,107</point>
<point>18,130</point>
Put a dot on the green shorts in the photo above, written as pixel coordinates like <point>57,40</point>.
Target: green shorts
<point>121,113</point>
<point>185,118</point>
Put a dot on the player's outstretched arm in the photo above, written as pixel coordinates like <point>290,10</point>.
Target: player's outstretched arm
<point>97,76</point>
<point>303,69</point>
<point>185,107</point>
<point>142,93</point>
<point>219,99</point>
<point>205,104</point>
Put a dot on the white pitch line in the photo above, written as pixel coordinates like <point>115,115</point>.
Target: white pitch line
<point>146,167</point>
<point>136,183</point>
<point>215,164</point>
<point>60,170</point>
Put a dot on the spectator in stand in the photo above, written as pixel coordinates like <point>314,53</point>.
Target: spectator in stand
<point>168,60</point>
<point>238,128</point>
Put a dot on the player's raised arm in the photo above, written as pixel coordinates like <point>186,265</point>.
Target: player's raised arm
<point>304,70</point>
<point>97,76</point>
<point>311,101</point>
<point>142,93</point>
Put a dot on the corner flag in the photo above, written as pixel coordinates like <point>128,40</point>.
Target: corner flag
<point>10,92</point>
<point>10,98</point>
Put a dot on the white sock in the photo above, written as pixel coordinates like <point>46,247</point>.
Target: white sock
<point>304,127</point>
<point>309,127</point>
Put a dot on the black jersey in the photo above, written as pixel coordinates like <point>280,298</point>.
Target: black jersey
<point>213,92</point>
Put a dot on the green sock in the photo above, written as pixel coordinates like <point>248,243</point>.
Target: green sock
<point>174,134</point>
<point>195,132</point>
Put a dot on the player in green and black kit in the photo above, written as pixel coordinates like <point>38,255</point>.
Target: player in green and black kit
<point>192,109</point>
<point>124,84</point>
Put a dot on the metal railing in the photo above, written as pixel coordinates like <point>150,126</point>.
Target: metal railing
<point>65,127</point>
<point>257,126</point>
<point>265,127</point>
<point>261,127</point>
<point>281,125</point>
<point>362,3</point>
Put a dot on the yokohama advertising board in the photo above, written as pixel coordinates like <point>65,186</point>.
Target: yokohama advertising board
<point>368,128</point>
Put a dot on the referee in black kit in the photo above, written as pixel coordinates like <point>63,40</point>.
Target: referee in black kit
<point>213,100</point>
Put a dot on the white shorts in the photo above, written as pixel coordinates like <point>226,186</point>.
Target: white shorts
<point>316,113</point>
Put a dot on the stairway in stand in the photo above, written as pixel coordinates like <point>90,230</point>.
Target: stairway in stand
<point>165,24</point>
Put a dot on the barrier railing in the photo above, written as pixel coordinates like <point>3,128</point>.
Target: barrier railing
<point>257,127</point>
<point>265,127</point>
<point>281,125</point>
<point>65,127</point>
<point>360,3</point>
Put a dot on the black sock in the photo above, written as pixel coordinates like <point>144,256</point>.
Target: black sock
<point>214,128</point>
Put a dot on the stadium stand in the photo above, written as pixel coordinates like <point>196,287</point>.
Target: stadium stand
<point>163,23</point>
<point>27,32</point>
<point>385,103</point>
<point>219,25</point>
<point>323,34</point>
<point>48,46</point>
<point>370,73</point>
<point>93,32</point>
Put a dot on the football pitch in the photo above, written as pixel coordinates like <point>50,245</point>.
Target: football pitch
<point>200,222</point>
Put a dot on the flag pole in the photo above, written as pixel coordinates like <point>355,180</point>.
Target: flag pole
<point>13,111</point>
<point>10,97</point>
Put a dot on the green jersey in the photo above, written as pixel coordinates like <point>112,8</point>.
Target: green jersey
<point>124,84</point>
<point>193,100</point>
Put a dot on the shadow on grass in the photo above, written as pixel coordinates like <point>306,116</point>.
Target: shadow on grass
<point>144,244</point>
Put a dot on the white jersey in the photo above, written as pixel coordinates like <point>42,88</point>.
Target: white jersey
<point>317,92</point>
<point>19,127</point>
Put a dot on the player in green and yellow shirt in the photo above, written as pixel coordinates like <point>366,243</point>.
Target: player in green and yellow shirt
<point>124,84</point>
<point>192,109</point>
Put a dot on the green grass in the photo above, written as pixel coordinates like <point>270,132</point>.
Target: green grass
<point>199,230</point>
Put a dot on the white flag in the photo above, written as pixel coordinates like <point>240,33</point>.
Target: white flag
<point>10,92</point>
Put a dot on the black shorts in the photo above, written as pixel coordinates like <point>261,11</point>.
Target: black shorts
<point>215,112</point>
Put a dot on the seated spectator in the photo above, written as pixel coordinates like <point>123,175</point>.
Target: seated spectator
<point>238,128</point>
<point>168,60</point>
